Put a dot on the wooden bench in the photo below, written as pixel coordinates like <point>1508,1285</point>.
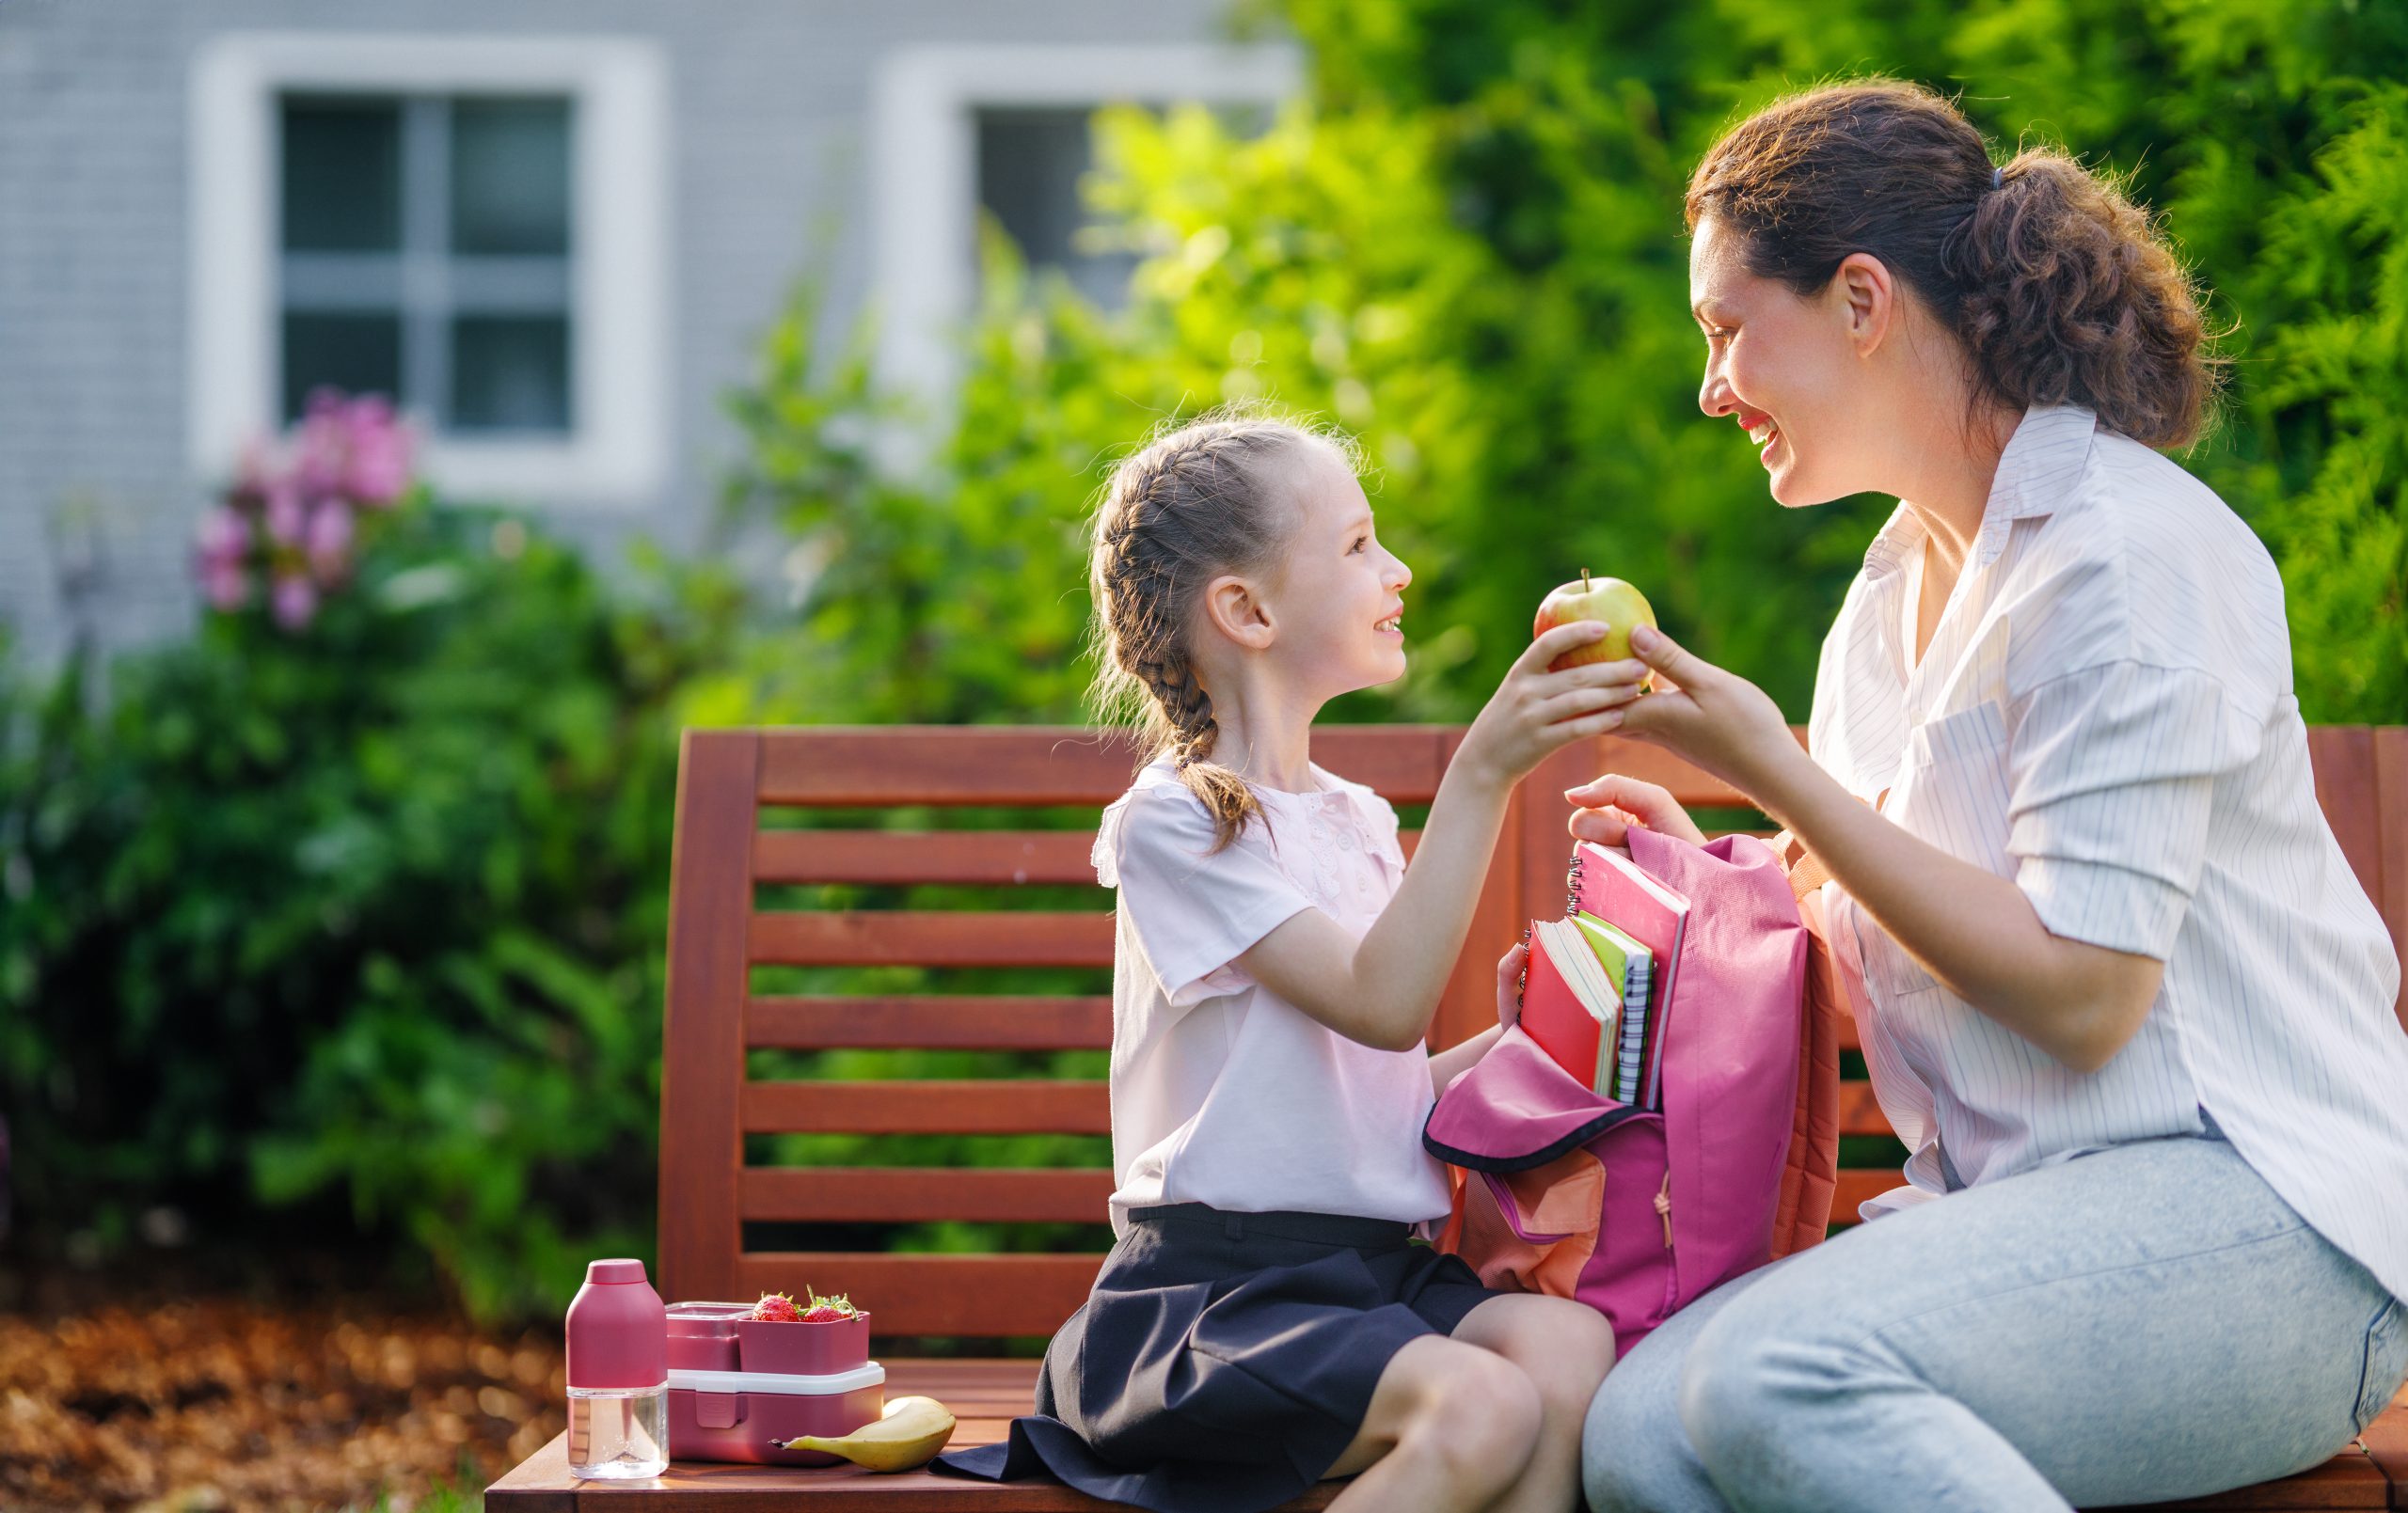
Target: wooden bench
<point>730,935</point>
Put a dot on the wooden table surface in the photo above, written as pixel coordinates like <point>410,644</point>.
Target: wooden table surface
<point>986,1394</point>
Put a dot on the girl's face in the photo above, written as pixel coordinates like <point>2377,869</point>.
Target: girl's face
<point>1339,595</point>
<point>1786,367</point>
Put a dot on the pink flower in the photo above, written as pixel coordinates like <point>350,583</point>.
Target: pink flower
<point>321,444</point>
<point>329,539</point>
<point>286,516</point>
<point>224,536</point>
<point>378,458</point>
<point>295,600</point>
<point>227,584</point>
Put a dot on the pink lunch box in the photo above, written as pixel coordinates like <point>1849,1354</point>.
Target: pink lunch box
<point>735,1385</point>
<point>735,1415</point>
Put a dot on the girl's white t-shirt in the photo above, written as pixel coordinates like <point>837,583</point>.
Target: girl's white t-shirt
<point>1222,1093</point>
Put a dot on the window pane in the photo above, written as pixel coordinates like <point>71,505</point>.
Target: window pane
<point>510,373</point>
<point>510,176</point>
<point>357,353</point>
<point>342,175</point>
<point>1029,166</point>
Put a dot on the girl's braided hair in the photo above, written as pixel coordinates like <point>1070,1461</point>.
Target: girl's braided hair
<point>1205,499</point>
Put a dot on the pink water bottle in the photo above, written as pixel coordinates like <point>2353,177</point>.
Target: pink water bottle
<point>618,1375</point>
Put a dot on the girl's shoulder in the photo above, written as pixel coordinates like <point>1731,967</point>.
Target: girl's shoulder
<point>1157,807</point>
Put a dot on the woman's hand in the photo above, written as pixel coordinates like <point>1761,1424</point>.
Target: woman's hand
<point>1508,985</point>
<point>1715,720</point>
<point>1535,712</point>
<point>1611,805</point>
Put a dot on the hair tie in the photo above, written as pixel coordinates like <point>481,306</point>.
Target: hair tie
<point>1998,177</point>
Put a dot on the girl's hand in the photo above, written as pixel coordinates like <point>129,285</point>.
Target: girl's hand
<point>1535,712</point>
<point>1716,721</point>
<point>1508,985</point>
<point>1611,805</point>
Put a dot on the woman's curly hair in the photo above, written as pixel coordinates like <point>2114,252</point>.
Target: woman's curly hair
<point>2061,289</point>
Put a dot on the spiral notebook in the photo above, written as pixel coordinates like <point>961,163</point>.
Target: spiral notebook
<point>1610,886</point>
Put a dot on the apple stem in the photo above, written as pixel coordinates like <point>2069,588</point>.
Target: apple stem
<point>1584,580</point>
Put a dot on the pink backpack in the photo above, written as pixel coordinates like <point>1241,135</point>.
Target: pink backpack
<point>1635,1212</point>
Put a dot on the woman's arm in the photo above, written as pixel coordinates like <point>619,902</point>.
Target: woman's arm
<point>1973,930</point>
<point>1968,926</point>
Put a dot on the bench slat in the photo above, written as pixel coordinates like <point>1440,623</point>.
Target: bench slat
<point>1001,1107</point>
<point>2343,759</point>
<point>914,938</point>
<point>932,1021</point>
<point>907,1195</point>
<point>2391,823</point>
<point>987,1295</point>
<point>965,857</point>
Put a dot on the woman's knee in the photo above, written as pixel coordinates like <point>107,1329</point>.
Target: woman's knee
<point>1633,1451</point>
<point>1732,1396</point>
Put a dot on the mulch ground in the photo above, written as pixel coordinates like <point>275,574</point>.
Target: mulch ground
<point>241,1404</point>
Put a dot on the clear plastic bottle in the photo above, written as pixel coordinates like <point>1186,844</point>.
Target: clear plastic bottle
<point>615,1433</point>
<point>618,1375</point>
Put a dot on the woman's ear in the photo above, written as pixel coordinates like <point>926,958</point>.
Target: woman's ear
<point>1235,608</point>
<point>1868,296</point>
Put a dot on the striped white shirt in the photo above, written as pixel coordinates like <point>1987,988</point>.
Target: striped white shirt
<point>2105,715</point>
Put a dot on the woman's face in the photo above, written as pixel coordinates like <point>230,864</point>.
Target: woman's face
<point>1786,367</point>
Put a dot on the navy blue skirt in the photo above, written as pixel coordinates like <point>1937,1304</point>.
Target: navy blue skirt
<point>1224,1360</point>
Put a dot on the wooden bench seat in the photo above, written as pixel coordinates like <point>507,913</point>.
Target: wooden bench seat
<point>902,927</point>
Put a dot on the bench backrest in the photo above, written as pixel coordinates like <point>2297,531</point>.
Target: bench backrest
<point>897,785</point>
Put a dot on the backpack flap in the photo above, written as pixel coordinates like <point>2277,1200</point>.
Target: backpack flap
<point>1515,1109</point>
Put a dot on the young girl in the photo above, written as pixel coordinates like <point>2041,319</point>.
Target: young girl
<point>1262,1322</point>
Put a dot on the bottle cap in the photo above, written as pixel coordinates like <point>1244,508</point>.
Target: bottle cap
<point>618,1331</point>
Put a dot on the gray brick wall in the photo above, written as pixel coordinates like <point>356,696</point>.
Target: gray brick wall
<point>769,104</point>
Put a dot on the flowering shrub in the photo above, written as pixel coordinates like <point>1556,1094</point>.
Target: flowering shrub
<point>294,514</point>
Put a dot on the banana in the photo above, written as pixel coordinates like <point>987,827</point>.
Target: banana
<point>910,1434</point>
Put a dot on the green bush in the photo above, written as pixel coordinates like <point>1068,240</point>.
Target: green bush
<point>1466,247</point>
<point>372,911</point>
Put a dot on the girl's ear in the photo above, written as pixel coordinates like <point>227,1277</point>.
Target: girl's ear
<point>1868,296</point>
<point>1234,608</point>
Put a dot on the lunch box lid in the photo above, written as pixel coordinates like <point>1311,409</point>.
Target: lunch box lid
<point>834,1384</point>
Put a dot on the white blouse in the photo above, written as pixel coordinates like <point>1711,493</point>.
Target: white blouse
<point>2105,715</point>
<point>1223,1092</point>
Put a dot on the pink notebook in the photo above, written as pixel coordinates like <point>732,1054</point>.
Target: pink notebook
<point>1612,887</point>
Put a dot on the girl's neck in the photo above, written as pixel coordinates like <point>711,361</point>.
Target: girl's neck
<point>1265,741</point>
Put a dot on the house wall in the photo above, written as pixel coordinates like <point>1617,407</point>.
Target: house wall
<point>769,105</point>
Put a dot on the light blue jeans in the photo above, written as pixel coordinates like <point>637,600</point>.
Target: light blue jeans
<point>2143,1323</point>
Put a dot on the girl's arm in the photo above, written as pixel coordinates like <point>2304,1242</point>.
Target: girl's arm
<point>1448,1064</point>
<point>1381,990</point>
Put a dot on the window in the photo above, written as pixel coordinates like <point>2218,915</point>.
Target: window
<point>1030,162</point>
<point>425,255</point>
<point>472,225</point>
<point>1005,128</point>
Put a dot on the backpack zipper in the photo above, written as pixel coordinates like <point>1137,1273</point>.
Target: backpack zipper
<point>1664,1211</point>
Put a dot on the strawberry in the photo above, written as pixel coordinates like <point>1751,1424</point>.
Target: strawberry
<point>775,1307</point>
<point>824,1313</point>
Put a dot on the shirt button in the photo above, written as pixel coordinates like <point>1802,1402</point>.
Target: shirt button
<point>1347,841</point>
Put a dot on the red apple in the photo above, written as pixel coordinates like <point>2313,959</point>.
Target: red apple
<point>1616,604</point>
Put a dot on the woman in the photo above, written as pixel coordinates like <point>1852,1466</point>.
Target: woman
<point>2122,997</point>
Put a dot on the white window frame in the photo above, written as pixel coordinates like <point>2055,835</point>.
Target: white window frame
<point>616,451</point>
<point>925,164</point>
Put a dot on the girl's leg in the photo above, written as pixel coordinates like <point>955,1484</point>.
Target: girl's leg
<point>1565,1349</point>
<point>2147,1322</point>
<point>1449,1428</point>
